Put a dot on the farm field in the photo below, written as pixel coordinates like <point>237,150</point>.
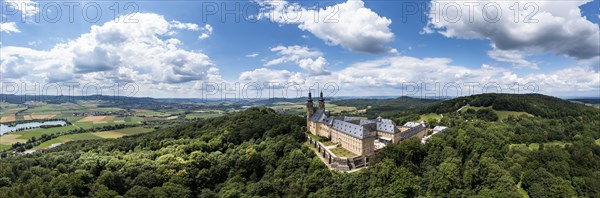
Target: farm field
<point>339,109</point>
<point>96,135</point>
<point>7,109</point>
<point>204,115</point>
<point>7,118</point>
<point>68,111</point>
<point>300,108</point>
<point>160,113</point>
<point>9,139</point>
<point>97,119</point>
<point>89,123</point>
<point>23,136</point>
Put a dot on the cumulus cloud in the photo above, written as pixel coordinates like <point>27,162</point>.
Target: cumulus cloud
<point>207,30</point>
<point>393,71</point>
<point>308,59</point>
<point>9,27</point>
<point>114,52</point>
<point>389,75</point>
<point>557,26</point>
<point>184,26</point>
<point>352,26</point>
<point>512,56</point>
<point>263,75</point>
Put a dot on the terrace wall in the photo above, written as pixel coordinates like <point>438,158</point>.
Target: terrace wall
<point>339,163</point>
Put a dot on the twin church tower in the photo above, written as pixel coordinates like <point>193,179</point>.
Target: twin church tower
<point>310,108</point>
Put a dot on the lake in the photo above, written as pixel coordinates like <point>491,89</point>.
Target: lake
<point>7,129</point>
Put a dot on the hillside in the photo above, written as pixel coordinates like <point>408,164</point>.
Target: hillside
<point>258,152</point>
<point>385,107</point>
<point>535,104</point>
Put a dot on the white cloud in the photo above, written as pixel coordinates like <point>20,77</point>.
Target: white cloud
<point>114,52</point>
<point>207,30</point>
<point>263,75</point>
<point>184,26</point>
<point>253,55</point>
<point>388,75</point>
<point>512,56</point>
<point>393,71</point>
<point>292,54</point>
<point>9,27</point>
<point>352,26</point>
<point>557,27</point>
<point>314,66</point>
<point>310,60</point>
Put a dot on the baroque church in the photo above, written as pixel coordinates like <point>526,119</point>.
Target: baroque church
<point>363,138</point>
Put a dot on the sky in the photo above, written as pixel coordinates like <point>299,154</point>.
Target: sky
<point>262,49</point>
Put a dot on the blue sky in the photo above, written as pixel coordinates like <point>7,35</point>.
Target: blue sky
<point>370,47</point>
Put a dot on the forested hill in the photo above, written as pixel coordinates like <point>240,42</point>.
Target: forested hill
<point>259,153</point>
<point>535,104</point>
<point>387,107</point>
<point>256,152</point>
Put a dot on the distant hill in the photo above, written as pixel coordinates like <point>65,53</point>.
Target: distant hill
<point>535,104</point>
<point>587,100</point>
<point>276,100</point>
<point>387,106</point>
<point>20,99</point>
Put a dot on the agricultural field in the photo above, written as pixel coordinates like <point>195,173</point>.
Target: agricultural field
<point>23,136</point>
<point>7,118</point>
<point>96,135</point>
<point>38,132</point>
<point>97,119</point>
<point>73,112</point>
<point>101,121</point>
<point>8,112</point>
<point>157,113</point>
<point>300,108</point>
<point>203,115</point>
<point>9,139</point>
<point>40,116</point>
<point>340,109</point>
<point>289,107</point>
<point>501,114</point>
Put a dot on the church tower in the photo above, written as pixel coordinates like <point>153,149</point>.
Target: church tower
<point>322,102</point>
<point>310,108</point>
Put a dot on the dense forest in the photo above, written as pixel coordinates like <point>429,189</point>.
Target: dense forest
<point>258,153</point>
<point>536,104</point>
